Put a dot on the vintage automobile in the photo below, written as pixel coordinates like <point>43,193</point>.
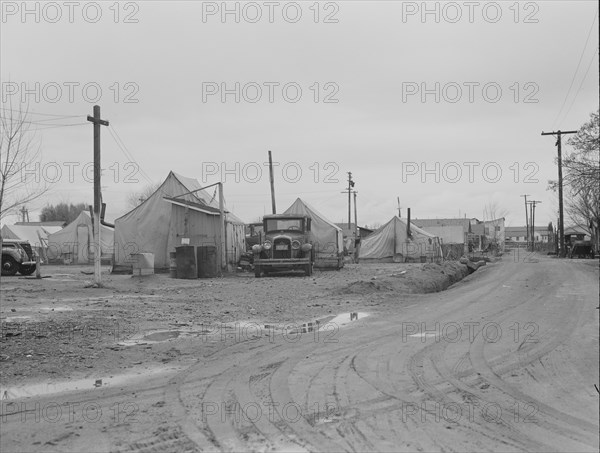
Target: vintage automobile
<point>17,256</point>
<point>582,249</point>
<point>284,245</point>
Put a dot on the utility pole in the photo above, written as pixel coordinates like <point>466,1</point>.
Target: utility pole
<point>349,191</point>
<point>526,222</point>
<point>97,195</point>
<point>533,203</point>
<point>355,217</point>
<point>272,179</point>
<point>561,228</point>
<point>222,235</point>
<point>24,214</point>
<point>530,231</point>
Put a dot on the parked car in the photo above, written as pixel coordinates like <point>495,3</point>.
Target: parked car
<point>582,249</point>
<point>284,244</point>
<point>17,256</point>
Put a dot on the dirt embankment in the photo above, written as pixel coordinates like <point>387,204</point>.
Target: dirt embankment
<point>417,279</point>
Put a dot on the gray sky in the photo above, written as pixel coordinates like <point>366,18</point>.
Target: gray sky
<point>341,89</point>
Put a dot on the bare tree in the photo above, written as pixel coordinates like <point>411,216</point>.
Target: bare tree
<point>134,199</point>
<point>18,151</point>
<point>581,169</point>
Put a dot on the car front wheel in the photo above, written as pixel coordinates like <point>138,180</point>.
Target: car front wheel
<point>9,266</point>
<point>27,269</point>
<point>257,271</point>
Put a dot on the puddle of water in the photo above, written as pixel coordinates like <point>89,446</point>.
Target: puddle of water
<point>346,318</point>
<point>424,335</point>
<point>49,388</point>
<point>16,318</point>
<point>57,308</point>
<point>162,336</point>
<point>242,329</point>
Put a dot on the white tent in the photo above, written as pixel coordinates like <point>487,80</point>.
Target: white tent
<point>326,236</point>
<point>391,242</point>
<point>36,235</point>
<point>75,242</point>
<point>178,209</point>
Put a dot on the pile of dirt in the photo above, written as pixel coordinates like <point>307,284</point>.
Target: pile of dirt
<point>416,279</point>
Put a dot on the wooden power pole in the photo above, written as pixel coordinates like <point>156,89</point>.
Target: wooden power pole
<point>526,222</point>
<point>97,195</point>
<point>355,216</point>
<point>222,228</point>
<point>349,192</point>
<point>272,179</point>
<point>561,228</point>
<point>533,203</point>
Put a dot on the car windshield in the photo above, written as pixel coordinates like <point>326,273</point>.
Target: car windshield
<point>285,224</point>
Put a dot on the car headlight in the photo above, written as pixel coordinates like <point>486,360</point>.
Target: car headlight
<point>306,247</point>
<point>257,248</point>
<point>267,245</point>
<point>295,245</point>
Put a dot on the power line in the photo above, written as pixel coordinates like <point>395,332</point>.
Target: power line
<point>576,70</point>
<point>46,126</point>
<point>39,122</point>
<point>116,137</point>
<point>580,85</point>
<point>42,114</point>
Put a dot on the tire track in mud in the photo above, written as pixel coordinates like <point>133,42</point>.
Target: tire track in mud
<point>484,370</point>
<point>347,429</point>
<point>555,420</point>
<point>372,379</point>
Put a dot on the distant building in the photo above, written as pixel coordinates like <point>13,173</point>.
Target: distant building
<point>518,234</point>
<point>455,234</point>
<point>576,233</point>
<point>495,232</point>
<point>450,231</point>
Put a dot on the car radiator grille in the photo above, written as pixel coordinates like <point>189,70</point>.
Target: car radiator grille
<point>282,248</point>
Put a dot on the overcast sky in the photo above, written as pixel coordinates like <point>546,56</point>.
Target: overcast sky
<point>443,110</point>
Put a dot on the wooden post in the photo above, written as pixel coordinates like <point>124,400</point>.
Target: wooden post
<point>272,180</point>
<point>38,272</point>
<point>561,228</point>
<point>97,196</point>
<point>222,227</point>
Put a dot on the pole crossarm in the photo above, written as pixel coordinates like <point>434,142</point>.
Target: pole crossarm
<point>97,121</point>
<point>559,132</point>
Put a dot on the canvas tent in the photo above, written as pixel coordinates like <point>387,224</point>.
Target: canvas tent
<point>326,236</point>
<point>75,242</point>
<point>178,209</point>
<point>37,236</point>
<point>390,242</point>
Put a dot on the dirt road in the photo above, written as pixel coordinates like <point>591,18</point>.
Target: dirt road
<point>506,361</point>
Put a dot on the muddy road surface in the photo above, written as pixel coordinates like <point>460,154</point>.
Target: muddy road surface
<point>506,360</point>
